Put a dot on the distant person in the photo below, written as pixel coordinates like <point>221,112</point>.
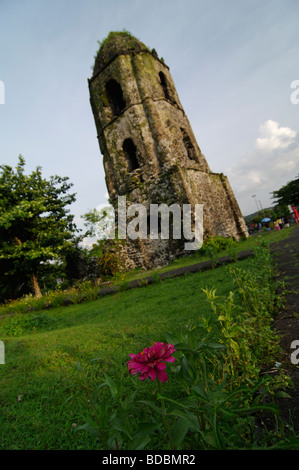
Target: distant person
<point>296,215</point>
<point>280,223</point>
<point>276,225</point>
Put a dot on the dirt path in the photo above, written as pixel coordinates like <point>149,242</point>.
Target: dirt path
<point>286,257</point>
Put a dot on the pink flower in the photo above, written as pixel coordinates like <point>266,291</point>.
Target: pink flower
<point>151,362</point>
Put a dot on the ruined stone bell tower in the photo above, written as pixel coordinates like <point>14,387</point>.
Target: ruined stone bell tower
<point>150,154</point>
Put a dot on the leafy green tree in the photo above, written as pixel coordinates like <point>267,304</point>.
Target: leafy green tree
<point>108,247</point>
<point>99,223</point>
<point>288,194</point>
<point>100,226</point>
<point>35,226</point>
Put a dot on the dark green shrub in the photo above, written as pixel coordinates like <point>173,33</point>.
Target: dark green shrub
<point>108,264</point>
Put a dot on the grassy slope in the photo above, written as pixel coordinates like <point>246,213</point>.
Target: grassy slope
<point>41,366</point>
<point>198,257</point>
<point>41,387</point>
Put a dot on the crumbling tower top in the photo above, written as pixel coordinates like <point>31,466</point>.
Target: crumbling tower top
<point>117,43</point>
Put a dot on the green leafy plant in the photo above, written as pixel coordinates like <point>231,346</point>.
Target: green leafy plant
<point>212,253</point>
<point>108,264</point>
<point>219,391</point>
<point>20,324</point>
<point>218,243</point>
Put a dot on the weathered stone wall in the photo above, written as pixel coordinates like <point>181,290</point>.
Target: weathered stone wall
<point>222,215</point>
<point>150,154</point>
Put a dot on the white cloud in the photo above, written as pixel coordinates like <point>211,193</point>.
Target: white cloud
<point>255,177</point>
<point>273,163</point>
<point>274,137</point>
<point>290,165</point>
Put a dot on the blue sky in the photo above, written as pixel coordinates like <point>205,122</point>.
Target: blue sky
<point>232,62</point>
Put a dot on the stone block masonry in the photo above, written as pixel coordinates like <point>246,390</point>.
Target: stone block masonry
<point>150,153</point>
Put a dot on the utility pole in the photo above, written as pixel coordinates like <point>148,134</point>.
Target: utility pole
<point>254,196</point>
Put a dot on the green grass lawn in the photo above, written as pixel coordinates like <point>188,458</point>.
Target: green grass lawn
<point>41,390</point>
<point>243,245</point>
<point>49,361</point>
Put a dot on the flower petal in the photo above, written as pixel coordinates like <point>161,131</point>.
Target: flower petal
<point>161,366</point>
<point>170,359</point>
<point>161,375</point>
<point>151,361</point>
<point>152,374</point>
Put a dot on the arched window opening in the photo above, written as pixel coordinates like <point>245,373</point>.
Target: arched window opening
<point>164,85</point>
<point>130,152</point>
<point>188,145</point>
<point>115,96</point>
